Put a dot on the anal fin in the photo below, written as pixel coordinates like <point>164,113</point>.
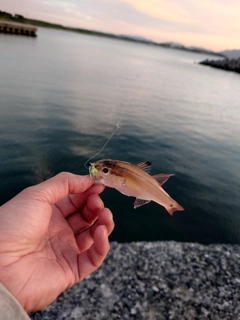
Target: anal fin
<point>140,202</point>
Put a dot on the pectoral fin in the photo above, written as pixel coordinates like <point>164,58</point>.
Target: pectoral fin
<point>140,202</point>
<point>162,177</point>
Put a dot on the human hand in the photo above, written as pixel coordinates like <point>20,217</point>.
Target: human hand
<point>42,249</point>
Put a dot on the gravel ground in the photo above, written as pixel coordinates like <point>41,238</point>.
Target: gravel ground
<point>156,281</point>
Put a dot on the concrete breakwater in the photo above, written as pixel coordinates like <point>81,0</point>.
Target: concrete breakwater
<point>225,64</point>
<point>17,28</point>
<point>156,281</point>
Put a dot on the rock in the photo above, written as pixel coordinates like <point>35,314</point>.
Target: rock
<point>133,311</point>
<point>225,64</point>
<point>155,289</point>
<point>182,281</point>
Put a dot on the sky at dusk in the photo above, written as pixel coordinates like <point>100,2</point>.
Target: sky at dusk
<point>211,24</point>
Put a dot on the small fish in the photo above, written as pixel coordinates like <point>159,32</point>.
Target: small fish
<point>134,180</point>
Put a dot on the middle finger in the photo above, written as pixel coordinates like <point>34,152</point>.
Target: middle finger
<point>83,219</point>
<point>74,202</point>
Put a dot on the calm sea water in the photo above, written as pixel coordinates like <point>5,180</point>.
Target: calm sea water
<point>61,96</point>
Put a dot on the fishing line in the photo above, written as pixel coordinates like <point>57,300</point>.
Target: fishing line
<point>119,125</point>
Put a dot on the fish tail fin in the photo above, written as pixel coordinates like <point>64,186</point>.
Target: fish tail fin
<point>174,207</point>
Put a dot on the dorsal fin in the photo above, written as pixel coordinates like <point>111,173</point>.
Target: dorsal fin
<point>146,166</point>
<point>162,177</point>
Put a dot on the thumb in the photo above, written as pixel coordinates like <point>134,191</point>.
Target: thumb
<point>60,186</point>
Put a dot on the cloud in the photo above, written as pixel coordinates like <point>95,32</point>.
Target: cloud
<point>205,23</point>
<point>164,10</point>
<point>195,15</point>
<point>213,24</point>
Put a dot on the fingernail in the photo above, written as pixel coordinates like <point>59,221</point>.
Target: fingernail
<point>104,227</point>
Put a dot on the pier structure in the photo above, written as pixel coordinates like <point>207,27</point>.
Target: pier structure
<point>17,28</point>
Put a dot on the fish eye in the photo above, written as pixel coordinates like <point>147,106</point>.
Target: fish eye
<point>105,170</point>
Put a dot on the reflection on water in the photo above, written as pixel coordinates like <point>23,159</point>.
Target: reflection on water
<point>62,95</point>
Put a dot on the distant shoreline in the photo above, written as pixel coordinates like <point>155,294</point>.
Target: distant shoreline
<point>38,23</point>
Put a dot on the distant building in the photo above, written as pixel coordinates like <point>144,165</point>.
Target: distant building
<point>17,28</point>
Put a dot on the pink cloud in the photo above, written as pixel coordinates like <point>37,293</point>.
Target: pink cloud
<point>214,25</point>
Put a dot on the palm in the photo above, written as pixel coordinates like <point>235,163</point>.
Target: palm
<point>42,249</point>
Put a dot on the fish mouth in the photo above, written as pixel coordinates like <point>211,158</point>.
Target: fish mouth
<point>93,172</point>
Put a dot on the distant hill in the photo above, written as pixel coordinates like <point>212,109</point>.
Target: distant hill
<point>176,45</point>
<point>136,38</point>
<point>173,45</point>
<point>231,54</point>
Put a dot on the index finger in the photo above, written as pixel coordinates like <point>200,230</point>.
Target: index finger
<point>60,186</point>
<point>73,202</point>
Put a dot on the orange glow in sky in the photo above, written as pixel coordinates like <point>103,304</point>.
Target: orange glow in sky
<point>212,24</point>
